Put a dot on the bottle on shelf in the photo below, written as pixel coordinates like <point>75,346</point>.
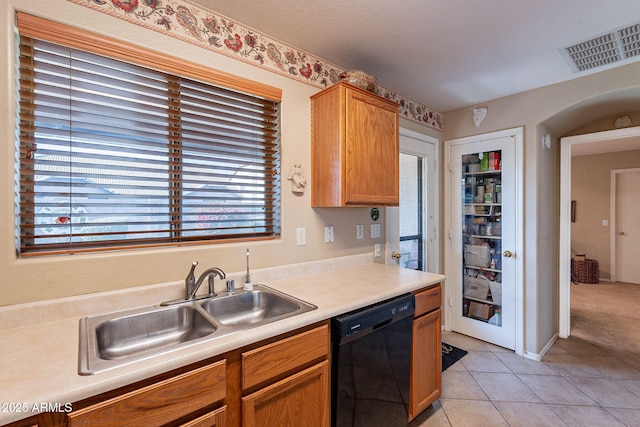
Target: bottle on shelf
<point>484,162</point>
<point>496,319</point>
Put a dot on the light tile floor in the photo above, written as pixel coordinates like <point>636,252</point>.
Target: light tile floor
<point>576,384</point>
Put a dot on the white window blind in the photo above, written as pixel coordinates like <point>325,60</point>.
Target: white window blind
<point>113,155</point>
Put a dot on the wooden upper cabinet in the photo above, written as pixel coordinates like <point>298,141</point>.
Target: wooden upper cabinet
<point>354,148</point>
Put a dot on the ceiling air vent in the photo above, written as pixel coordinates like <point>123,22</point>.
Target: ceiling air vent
<point>630,40</point>
<point>614,46</point>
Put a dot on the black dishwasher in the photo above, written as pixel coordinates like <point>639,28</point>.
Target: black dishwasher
<point>370,365</point>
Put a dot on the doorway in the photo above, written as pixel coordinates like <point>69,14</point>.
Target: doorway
<point>612,138</point>
<point>484,213</point>
<point>412,227</point>
<point>625,229</point>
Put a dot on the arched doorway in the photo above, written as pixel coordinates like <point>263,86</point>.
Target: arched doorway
<point>593,115</point>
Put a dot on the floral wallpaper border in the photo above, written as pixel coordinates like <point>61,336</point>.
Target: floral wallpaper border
<point>203,27</point>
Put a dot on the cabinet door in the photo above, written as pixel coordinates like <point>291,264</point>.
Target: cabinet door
<point>372,151</point>
<point>484,207</point>
<point>301,400</point>
<point>426,363</point>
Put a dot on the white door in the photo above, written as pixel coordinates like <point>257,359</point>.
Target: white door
<point>411,228</point>
<point>484,246</point>
<point>627,230</point>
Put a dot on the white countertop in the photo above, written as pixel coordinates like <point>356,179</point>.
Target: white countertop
<point>40,360</point>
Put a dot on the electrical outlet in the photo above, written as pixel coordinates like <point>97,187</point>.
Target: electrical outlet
<point>359,231</point>
<point>376,250</point>
<point>301,236</point>
<point>328,234</point>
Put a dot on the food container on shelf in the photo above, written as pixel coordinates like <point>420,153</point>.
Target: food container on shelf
<point>477,255</point>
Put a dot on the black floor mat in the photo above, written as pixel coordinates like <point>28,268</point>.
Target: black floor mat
<point>451,355</point>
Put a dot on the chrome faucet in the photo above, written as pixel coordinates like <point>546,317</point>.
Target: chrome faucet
<point>192,285</point>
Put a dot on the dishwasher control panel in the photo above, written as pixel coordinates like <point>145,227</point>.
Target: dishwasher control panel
<point>371,318</point>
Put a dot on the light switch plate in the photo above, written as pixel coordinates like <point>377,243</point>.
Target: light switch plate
<point>359,231</point>
<point>375,231</point>
<point>328,234</point>
<point>376,250</point>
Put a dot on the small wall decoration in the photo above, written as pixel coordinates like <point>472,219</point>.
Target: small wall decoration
<point>297,178</point>
<point>478,115</point>
<point>623,122</point>
<point>375,214</point>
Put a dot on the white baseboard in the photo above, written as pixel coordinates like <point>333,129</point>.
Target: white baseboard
<point>538,356</point>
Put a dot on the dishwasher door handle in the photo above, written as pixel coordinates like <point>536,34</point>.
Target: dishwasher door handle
<point>381,324</point>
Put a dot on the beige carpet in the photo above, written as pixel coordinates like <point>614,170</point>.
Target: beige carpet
<point>607,314</point>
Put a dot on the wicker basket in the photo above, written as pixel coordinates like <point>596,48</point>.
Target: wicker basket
<point>584,270</point>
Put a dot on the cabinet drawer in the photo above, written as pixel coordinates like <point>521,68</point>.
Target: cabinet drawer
<point>217,418</point>
<point>272,360</point>
<point>158,403</point>
<point>428,300</point>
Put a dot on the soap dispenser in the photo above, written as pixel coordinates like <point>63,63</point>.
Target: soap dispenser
<point>248,286</point>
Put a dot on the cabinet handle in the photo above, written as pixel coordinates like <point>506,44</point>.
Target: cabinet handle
<point>621,233</point>
<point>395,255</point>
<point>508,254</point>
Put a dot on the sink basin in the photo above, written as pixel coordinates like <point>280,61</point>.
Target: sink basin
<point>137,334</point>
<point>262,305</point>
<point>112,340</point>
<point>124,336</point>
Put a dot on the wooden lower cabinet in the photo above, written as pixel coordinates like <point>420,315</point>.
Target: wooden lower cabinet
<point>283,381</point>
<point>426,359</point>
<point>190,397</point>
<point>286,383</point>
<point>300,400</point>
<point>159,403</point>
<point>269,362</point>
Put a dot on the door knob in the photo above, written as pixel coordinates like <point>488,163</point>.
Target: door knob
<point>621,233</point>
<point>508,254</point>
<point>395,255</point>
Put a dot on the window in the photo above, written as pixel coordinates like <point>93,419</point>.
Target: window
<point>120,152</point>
<point>411,211</point>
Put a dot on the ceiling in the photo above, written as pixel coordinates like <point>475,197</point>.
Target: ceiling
<point>445,54</point>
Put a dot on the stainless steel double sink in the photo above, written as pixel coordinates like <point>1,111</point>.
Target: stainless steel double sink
<point>111,340</point>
